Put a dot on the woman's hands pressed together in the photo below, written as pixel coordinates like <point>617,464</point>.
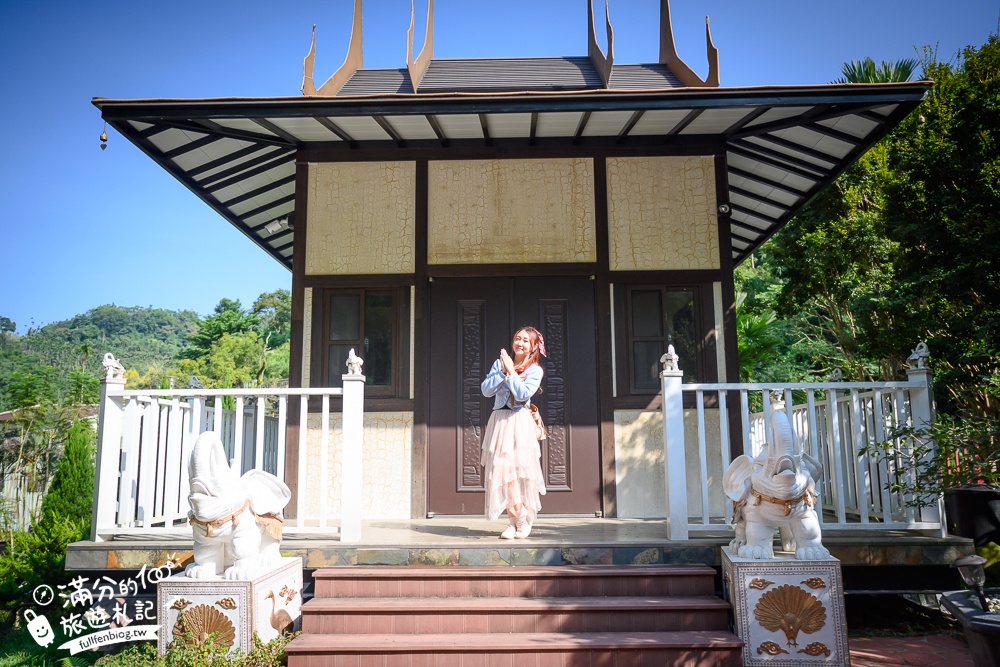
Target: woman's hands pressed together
<point>506,362</point>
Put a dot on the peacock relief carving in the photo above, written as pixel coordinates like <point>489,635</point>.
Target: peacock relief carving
<point>791,610</point>
<point>195,625</point>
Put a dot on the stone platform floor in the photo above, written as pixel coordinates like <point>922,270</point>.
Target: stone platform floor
<point>554,540</point>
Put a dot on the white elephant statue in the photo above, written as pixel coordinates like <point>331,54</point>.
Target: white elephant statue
<point>777,489</point>
<point>236,520</point>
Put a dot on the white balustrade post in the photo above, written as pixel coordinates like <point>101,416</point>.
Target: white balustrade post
<point>674,463</point>
<point>352,468</point>
<point>922,415</point>
<point>111,417</point>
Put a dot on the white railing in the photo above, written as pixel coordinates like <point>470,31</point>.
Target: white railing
<point>145,439</point>
<point>833,422</point>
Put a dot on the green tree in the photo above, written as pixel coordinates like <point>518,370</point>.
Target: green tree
<point>901,247</point>
<point>833,256</point>
<point>71,494</point>
<point>7,326</point>
<point>866,71</point>
<point>228,318</point>
<point>942,202</point>
<point>274,311</point>
<point>237,360</point>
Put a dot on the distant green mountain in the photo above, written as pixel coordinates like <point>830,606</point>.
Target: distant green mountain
<point>136,336</point>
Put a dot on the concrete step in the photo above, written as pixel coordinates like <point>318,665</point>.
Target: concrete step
<point>638,649</point>
<point>487,581</point>
<point>509,614</point>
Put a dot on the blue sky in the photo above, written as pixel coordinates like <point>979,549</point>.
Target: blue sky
<point>82,227</point>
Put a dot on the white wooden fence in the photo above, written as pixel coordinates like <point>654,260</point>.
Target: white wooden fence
<point>833,422</point>
<point>145,439</point>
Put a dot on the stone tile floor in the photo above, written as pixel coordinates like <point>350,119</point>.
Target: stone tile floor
<point>927,651</point>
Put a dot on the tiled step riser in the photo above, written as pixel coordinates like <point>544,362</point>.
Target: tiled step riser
<point>501,622</point>
<point>345,587</point>
<point>629,657</point>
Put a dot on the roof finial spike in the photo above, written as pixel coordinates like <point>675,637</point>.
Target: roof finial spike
<point>352,63</point>
<point>669,57</point>
<point>601,62</point>
<point>308,85</point>
<point>418,67</point>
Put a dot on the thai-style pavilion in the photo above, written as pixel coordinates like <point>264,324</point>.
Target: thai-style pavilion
<point>427,211</point>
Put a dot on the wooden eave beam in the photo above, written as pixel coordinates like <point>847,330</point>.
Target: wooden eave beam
<point>277,156</point>
<point>733,189</point>
<point>247,169</point>
<point>744,151</point>
<point>630,124</point>
<point>333,127</point>
<point>264,189</point>
<point>771,222</point>
<point>687,120</point>
<point>390,130</point>
<point>821,112</point>
<point>802,150</point>
<point>581,127</point>
<point>267,207</point>
<point>765,181</point>
<point>436,126</point>
<point>205,124</point>
<point>784,159</point>
<point>486,129</point>
<point>271,127</point>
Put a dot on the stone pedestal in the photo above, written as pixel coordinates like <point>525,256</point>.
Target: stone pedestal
<point>235,610</point>
<point>788,612</point>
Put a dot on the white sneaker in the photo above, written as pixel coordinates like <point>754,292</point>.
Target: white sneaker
<point>522,527</point>
<point>508,533</point>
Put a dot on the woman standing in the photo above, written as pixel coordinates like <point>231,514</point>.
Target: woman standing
<point>511,455</point>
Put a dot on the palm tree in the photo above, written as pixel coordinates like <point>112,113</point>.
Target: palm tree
<point>865,71</point>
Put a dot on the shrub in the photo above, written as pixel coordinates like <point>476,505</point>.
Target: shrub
<point>180,654</point>
<point>71,495</point>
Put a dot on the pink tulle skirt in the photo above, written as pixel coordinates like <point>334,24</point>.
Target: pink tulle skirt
<point>511,461</point>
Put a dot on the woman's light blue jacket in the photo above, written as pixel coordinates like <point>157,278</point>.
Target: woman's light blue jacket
<point>504,388</point>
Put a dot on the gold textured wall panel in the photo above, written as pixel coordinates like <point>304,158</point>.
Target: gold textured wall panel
<point>639,474</point>
<point>385,489</point>
<point>360,218</point>
<point>307,337</point>
<point>662,213</point>
<point>511,211</point>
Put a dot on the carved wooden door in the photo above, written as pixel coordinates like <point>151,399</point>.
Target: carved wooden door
<point>471,319</point>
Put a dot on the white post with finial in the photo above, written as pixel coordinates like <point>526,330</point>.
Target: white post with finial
<point>111,418</point>
<point>922,415</point>
<point>352,469</point>
<point>674,460</point>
